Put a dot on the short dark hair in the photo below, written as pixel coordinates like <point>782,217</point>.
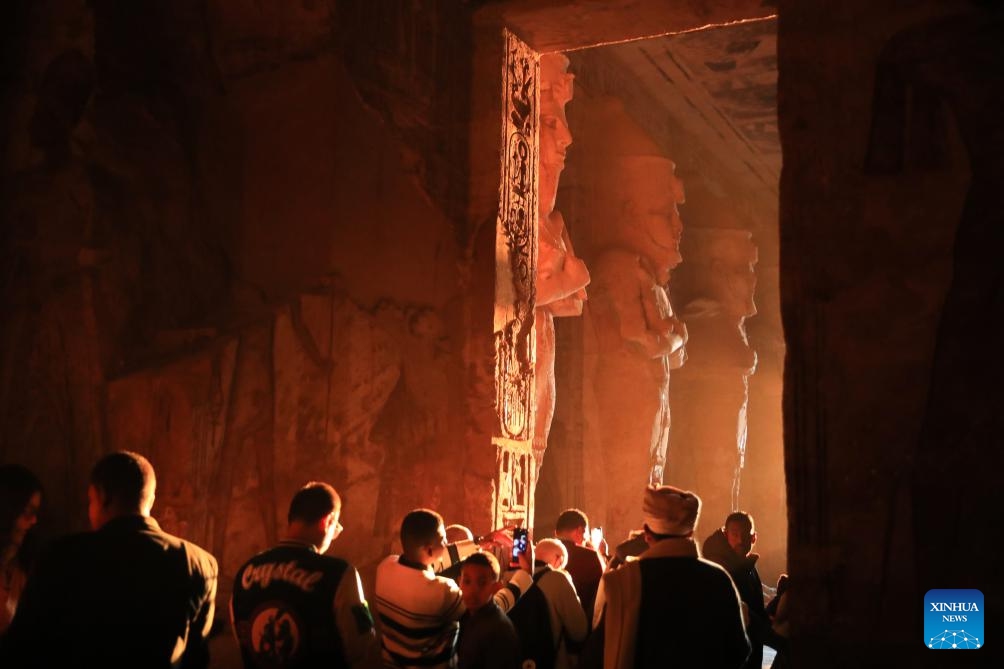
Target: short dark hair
<point>483,559</point>
<point>742,518</point>
<point>126,479</point>
<point>571,519</point>
<point>420,528</point>
<point>314,501</point>
<point>17,485</point>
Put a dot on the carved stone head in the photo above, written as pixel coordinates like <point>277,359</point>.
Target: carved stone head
<point>723,260</point>
<point>647,218</point>
<point>555,138</point>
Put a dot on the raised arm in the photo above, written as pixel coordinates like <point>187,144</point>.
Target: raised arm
<point>354,621</point>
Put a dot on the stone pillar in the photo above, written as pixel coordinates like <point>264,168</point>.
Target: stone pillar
<point>499,468</point>
<point>710,395</point>
<point>636,337</point>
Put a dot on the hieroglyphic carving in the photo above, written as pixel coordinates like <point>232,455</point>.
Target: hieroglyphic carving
<point>516,468</point>
<point>515,272</point>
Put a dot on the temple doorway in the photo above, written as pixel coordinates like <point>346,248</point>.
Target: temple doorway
<point>657,296</point>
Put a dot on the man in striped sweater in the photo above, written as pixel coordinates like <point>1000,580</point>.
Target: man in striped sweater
<point>417,610</point>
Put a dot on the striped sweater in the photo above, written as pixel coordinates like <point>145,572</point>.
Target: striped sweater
<point>418,612</point>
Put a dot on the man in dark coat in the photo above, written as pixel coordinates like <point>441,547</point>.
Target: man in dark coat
<point>731,546</point>
<point>584,563</point>
<point>127,594</point>
<point>669,607</point>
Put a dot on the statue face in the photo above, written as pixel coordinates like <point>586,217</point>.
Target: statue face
<point>663,227</point>
<point>732,279</point>
<point>555,137</point>
<point>651,192</point>
<point>554,142</point>
<point>736,285</point>
<point>665,230</point>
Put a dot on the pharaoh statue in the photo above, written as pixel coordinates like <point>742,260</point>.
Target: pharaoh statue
<point>561,276</point>
<point>638,338</point>
<point>710,395</point>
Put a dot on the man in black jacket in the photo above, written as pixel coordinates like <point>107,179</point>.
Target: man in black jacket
<point>125,595</point>
<point>731,546</point>
<point>295,607</point>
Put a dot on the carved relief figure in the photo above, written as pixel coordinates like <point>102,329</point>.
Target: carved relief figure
<point>638,336</point>
<point>710,395</point>
<point>413,426</point>
<point>52,371</point>
<point>335,368</point>
<point>561,276</point>
<point>932,76</point>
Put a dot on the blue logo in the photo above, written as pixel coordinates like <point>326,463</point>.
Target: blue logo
<point>953,619</point>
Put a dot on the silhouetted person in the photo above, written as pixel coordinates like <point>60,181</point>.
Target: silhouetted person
<point>584,564</point>
<point>295,607</point>
<point>20,499</point>
<point>668,608</point>
<point>780,619</point>
<point>731,546</point>
<point>125,595</point>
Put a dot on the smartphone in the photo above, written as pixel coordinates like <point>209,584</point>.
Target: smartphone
<point>596,537</point>
<point>519,544</point>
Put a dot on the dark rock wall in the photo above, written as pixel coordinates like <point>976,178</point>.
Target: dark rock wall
<point>230,242</point>
<point>218,254</point>
<point>890,296</point>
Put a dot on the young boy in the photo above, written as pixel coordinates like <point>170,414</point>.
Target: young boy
<point>487,637</point>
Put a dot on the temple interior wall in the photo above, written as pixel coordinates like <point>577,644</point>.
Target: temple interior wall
<point>262,261</point>
<point>243,271</point>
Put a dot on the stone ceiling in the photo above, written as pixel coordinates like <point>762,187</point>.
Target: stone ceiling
<point>720,84</point>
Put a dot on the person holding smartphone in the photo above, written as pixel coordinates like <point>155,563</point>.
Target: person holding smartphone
<point>520,543</point>
<point>417,610</point>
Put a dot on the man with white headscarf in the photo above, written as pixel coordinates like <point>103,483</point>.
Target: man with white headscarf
<point>669,607</point>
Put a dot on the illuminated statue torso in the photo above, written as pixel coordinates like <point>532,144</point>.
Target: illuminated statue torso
<point>561,276</point>
<point>638,338</point>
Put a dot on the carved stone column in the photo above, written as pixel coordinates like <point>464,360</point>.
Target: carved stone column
<point>561,276</point>
<point>710,394</point>
<point>499,469</point>
<point>637,339</point>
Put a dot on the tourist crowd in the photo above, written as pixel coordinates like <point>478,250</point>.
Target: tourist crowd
<point>128,594</point>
